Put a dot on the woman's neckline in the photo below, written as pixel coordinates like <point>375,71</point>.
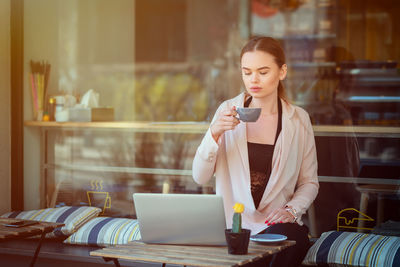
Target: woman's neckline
<point>259,144</point>
<point>250,101</point>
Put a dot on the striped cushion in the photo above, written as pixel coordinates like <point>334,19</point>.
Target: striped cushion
<point>72,217</point>
<point>103,231</point>
<point>355,249</point>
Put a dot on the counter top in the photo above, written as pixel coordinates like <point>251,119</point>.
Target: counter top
<point>201,127</point>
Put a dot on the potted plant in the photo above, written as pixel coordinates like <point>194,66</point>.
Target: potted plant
<point>237,238</point>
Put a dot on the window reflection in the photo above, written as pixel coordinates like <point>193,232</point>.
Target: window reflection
<point>172,62</point>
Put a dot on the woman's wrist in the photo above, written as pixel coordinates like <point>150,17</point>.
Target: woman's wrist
<point>292,212</point>
<point>214,135</point>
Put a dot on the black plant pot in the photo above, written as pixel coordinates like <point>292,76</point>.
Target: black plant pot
<point>238,243</point>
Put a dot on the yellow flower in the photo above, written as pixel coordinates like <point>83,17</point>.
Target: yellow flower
<point>238,208</point>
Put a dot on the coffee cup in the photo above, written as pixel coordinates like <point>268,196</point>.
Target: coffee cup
<point>248,114</point>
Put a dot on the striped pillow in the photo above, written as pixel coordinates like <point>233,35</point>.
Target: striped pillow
<point>104,231</point>
<point>355,249</point>
<point>72,217</point>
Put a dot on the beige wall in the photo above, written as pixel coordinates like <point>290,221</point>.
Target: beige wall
<point>5,85</point>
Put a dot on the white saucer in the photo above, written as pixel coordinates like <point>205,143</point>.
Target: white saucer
<point>268,238</point>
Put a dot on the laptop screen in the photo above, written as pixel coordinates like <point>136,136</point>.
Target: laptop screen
<point>193,219</point>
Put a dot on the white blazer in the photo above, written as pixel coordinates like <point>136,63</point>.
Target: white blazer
<point>293,179</point>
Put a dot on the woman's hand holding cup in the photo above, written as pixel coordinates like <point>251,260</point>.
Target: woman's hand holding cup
<point>226,120</point>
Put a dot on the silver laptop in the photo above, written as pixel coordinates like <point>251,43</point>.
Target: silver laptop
<point>180,218</point>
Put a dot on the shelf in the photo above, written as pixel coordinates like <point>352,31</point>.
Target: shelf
<point>358,180</point>
<point>374,99</point>
<point>150,127</point>
<point>308,36</point>
<point>359,131</point>
<point>118,169</point>
<point>174,172</point>
<point>201,128</point>
<point>311,64</point>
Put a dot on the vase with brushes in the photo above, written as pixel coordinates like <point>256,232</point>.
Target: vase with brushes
<point>39,79</point>
<point>237,238</point>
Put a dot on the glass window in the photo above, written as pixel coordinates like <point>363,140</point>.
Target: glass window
<point>162,67</point>
<point>159,68</point>
<point>342,61</point>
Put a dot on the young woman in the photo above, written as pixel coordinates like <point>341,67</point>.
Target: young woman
<point>269,165</point>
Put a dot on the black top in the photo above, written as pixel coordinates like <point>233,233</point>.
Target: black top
<point>260,160</point>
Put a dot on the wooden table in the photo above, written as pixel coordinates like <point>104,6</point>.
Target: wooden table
<point>39,228</point>
<point>188,255</point>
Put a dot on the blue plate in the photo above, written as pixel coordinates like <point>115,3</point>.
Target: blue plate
<point>268,238</point>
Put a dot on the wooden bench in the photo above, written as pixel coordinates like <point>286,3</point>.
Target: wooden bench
<point>54,253</point>
<point>16,229</point>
